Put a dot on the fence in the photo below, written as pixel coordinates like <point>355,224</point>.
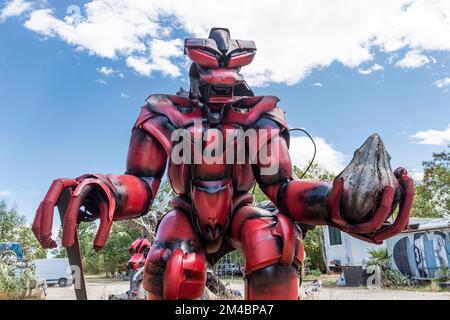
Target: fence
<point>230,266</point>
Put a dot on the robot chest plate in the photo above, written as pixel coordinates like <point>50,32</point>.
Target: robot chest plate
<point>210,154</point>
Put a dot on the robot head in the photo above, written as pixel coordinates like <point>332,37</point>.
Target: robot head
<point>138,250</point>
<point>214,73</point>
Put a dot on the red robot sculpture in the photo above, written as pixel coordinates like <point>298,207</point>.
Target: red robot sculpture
<point>138,250</point>
<point>213,212</point>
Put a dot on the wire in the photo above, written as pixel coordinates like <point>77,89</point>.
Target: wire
<point>315,149</point>
<point>312,159</point>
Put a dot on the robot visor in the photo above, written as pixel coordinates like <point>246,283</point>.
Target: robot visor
<point>221,77</point>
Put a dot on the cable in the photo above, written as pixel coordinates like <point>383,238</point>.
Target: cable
<point>312,159</point>
<point>315,149</point>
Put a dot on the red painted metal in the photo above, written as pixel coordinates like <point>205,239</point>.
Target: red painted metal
<point>212,202</point>
<point>240,60</point>
<point>203,58</point>
<point>221,77</point>
<point>212,211</point>
<point>139,251</point>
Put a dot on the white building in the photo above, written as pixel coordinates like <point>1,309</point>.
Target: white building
<point>344,250</point>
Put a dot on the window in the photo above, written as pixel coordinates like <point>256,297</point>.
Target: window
<point>335,236</point>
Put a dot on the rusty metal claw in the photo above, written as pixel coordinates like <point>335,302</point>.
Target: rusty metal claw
<point>374,230</point>
<point>43,222</point>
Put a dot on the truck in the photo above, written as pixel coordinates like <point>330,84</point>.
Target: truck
<point>54,271</point>
<point>11,253</point>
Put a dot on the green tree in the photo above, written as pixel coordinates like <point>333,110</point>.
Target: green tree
<point>86,235</point>
<point>314,241</point>
<point>315,171</point>
<point>10,220</point>
<point>433,193</point>
<point>31,247</point>
<point>379,257</point>
<point>13,228</point>
<point>114,255</point>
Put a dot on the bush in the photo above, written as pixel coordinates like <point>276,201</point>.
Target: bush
<point>379,258</point>
<point>393,278</point>
<point>316,273</point>
<point>18,286</point>
<point>443,274</point>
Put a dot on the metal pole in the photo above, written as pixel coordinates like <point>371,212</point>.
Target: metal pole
<point>74,252</point>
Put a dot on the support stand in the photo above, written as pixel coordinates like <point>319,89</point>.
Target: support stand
<point>74,252</point>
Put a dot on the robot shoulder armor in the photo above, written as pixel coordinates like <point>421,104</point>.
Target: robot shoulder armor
<point>157,125</point>
<point>250,111</point>
<point>277,116</point>
<point>165,113</point>
<point>180,111</point>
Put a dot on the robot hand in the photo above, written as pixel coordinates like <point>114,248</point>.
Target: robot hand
<point>376,229</point>
<point>93,193</point>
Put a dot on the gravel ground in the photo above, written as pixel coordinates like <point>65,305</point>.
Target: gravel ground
<point>100,289</point>
<point>377,294</point>
<point>97,289</point>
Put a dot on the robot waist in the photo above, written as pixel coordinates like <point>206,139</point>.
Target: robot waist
<point>211,205</point>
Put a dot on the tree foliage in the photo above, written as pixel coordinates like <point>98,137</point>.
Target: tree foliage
<point>13,228</point>
<point>314,241</point>
<point>9,221</point>
<point>433,193</point>
<point>114,255</point>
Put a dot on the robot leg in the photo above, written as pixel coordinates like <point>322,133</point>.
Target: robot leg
<point>273,251</point>
<point>176,264</point>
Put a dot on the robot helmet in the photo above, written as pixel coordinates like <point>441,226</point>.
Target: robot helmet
<point>214,73</point>
<point>219,51</point>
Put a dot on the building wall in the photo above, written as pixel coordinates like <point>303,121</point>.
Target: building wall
<point>420,254</point>
<point>351,252</point>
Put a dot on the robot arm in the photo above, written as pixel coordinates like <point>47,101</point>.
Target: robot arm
<point>303,200</point>
<point>105,197</point>
<point>319,202</point>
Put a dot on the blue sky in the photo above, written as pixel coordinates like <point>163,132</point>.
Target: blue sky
<point>62,115</point>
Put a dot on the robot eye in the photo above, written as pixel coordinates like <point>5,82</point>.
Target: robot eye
<point>241,59</point>
<point>203,58</point>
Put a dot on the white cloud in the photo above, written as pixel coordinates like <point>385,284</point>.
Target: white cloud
<point>307,34</point>
<point>14,8</point>
<point>140,65</point>
<point>442,83</point>
<point>317,84</point>
<point>375,67</point>
<point>433,137</point>
<point>413,59</point>
<point>5,193</point>
<point>105,71</point>
<point>100,81</point>
<point>301,150</point>
<point>416,174</point>
<point>124,96</point>
<point>160,60</point>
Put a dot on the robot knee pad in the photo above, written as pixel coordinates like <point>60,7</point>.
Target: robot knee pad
<point>174,274</point>
<point>274,282</point>
<point>274,252</point>
<point>271,240</point>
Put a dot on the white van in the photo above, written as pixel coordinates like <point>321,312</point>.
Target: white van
<point>54,271</point>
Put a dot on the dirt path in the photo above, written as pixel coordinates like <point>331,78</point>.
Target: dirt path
<point>378,294</point>
<point>97,289</point>
<point>100,289</point>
